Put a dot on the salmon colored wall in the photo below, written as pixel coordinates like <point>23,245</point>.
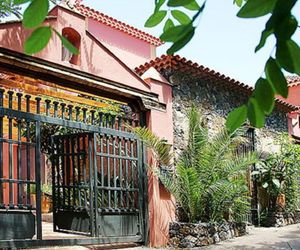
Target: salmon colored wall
<point>13,35</point>
<point>6,189</point>
<point>293,124</point>
<point>162,122</point>
<point>161,203</point>
<point>97,60</point>
<point>293,118</point>
<point>294,96</point>
<point>94,59</point>
<point>131,50</point>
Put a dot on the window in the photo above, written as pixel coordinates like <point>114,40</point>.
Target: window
<point>73,37</point>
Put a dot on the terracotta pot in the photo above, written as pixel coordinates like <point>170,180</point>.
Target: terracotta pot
<point>46,204</point>
<point>281,200</point>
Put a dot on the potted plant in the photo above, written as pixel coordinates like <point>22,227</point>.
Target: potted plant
<point>46,198</point>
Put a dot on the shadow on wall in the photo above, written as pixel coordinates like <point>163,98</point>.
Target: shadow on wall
<point>87,51</point>
<point>13,36</point>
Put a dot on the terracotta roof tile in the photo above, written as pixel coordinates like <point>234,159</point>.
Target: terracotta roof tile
<point>109,21</point>
<point>293,80</point>
<point>182,64</point>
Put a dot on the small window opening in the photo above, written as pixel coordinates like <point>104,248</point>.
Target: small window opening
<point>74,38</point>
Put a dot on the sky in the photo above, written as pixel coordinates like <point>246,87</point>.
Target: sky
<point>223,42</point>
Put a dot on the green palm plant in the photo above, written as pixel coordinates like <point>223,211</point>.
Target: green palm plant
<point>160,148</point>
<point>209,183</point>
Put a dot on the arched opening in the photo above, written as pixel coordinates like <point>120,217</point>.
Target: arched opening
<point>73,37</point>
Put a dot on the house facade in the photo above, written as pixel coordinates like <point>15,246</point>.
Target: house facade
<point>101,186</point>
<point>109,50</point>
<point>293,99</point>
<point>215,95</point>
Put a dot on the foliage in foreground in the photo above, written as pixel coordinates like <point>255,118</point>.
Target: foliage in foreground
<point>278,175</point>
<point>8,8</point>
<point>209,182</point>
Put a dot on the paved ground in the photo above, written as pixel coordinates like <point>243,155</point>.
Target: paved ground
<point>285,238</point>
<point>264,238</point>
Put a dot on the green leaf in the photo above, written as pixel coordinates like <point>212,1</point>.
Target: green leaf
<point>174,33</point>
<point>236,118</point>
<point>264,35</point>
<point>67,44</point>
<point>35,13</point>
<point>38,40</point>
<point>239,3</point>
<point>288,54</point>
<point>276,78</point>
<point>281,12</point>
<point>199,11</point>
<point>188,4</point>
<point>286,28</point>
<point>180,43</point>
<point>181,17</point>
<point>264,95</point>
<point>265,185</point>
<point>18,2</point>
<point>255,115</point>
<point>282,9</point>
<point>178,3</point>
<point>159,4</point>
<point>192,6</point>
<point>155,18</point>
<point>256,8</point>
<point>276,182</point>
<point>169,24</point>
<point>284,56</point>
<point>255,173</point>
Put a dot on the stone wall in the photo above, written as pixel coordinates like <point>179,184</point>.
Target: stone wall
<point>215,102</point>
<point>281,219</point>
<point>188,235</point>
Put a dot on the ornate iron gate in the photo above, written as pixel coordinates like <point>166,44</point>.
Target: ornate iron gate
<point>108,188</point>
<point>97,184</point>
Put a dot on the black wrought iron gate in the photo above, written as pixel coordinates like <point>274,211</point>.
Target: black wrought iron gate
<point>97,184</point>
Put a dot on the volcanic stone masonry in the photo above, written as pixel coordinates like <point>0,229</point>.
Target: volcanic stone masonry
<point>215,100</point>
<point>189,235</point>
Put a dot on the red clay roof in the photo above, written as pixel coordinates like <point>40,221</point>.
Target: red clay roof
<point>293,80</point>
<point>109,21</point>
<point>194,69</point>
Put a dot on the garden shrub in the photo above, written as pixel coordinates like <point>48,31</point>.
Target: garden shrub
<point>209,182</point>
<point>277,177</point>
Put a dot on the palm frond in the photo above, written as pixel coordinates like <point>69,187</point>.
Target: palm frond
<point>197,135</point>
<point>7,8</point>
<point>239,164</point>
<point>160,148</point>
<point>209,179</point>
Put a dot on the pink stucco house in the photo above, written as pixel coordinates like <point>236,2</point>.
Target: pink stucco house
<point>293,99</point>
<point>109,50</point>
<point>118,62</point>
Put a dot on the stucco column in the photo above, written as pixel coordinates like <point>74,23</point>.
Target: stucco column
<point>161,203</point>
